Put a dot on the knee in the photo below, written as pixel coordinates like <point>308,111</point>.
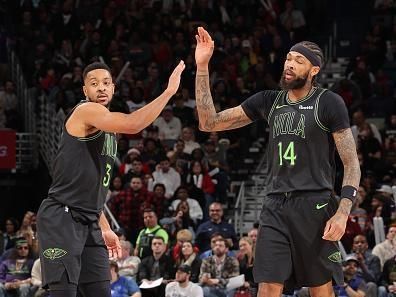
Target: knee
<point>371,289</point>
<point>270,290</point>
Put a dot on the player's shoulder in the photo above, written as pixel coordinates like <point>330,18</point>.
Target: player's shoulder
<point>328,97</point>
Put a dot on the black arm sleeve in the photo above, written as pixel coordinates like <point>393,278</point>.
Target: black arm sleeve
<point>333,113</point>
<point>258,106</point>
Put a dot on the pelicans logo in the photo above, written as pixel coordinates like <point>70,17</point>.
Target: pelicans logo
<point>54,253</point>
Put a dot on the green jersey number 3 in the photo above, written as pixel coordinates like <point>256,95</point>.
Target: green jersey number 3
<point>287,154</point>
<point>106,178</point>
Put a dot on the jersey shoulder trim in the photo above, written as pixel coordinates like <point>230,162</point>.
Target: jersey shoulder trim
<point>316,112</point>
<point>280,94</point>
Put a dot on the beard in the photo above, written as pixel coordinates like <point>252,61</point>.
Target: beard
<point>294,84</point>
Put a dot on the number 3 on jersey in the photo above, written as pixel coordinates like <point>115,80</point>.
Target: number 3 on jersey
<point>106,178</point>
<point>288,154</point>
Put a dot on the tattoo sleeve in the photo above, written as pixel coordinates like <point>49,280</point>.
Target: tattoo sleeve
<point>347,150</point>
<point>209,119</point>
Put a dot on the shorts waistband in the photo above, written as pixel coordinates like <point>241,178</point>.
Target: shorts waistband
<point>294,194</point>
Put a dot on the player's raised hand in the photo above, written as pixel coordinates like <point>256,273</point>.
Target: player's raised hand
<point>174,79</point>
<point>204,49</point>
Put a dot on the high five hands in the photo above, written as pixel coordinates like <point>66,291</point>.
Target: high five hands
<point>204,49</point>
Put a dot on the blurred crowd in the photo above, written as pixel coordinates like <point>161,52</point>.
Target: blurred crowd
<point>171,182</point>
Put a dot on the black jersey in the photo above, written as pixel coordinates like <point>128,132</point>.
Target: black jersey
<point>81,172</point>
<point>301,148</point>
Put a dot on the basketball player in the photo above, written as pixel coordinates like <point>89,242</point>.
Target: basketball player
<point>72,229</point>
<point>300,221</point>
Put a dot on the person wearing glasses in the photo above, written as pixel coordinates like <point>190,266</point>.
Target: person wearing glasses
<point>15,270</point>
<point>215,224</point>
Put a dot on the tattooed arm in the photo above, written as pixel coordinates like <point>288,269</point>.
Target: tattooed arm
<point>209,120</point>
<point>346,147</point>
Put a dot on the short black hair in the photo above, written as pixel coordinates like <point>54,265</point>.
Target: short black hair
<point>94,66</point>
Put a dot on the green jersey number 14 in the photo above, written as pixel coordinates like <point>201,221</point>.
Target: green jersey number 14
<point>287,154</point>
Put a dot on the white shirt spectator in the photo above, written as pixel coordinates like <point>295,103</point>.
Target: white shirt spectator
<point>170,179</point>
<point>128,266</point>
<point>195,209</point>
<point>168,130</point>
<point>174,290</point>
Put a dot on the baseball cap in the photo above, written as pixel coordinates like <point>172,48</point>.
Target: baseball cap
<point>385,189</point>
<point>184,268</point>
<point>351,257</point>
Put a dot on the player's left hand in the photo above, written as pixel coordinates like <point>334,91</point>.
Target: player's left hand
<point>335,227</point>
<point>113,244</point>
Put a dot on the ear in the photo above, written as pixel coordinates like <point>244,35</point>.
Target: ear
<point>85,91</point>
<point>315,70</point>
<point>113,88</point>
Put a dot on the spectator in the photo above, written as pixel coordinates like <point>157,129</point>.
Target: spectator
<point>189,257</point>
<point>146,235</point>
<point>181,194</point>
<point>182,286</point>
<point>128,265</point>
<point>369,264</point>
<point>178,158</point>
<point>208,253</point>
<point>155,266</point>
<point>201,184</point>
<point>15,271</point>
<point>216,270</point>
<point>359,122</point>
<point>167,176</point>
<point>386,249</point>
<point>354,285</point>
<point>246,260</point>
<point>388,277</point>
<point>180,220</point>
<point>122,286</point>
<point>8,237</point>
<point>128,205</point>
<point>189,140</point>
<point>36,281</point>
<point>137,169</point>
<point>169,127</point>
<point>159,201</point>
<point>214,224</point>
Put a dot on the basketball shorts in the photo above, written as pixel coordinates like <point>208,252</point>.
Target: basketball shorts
<point>69,244</point>
<point>290,249</point>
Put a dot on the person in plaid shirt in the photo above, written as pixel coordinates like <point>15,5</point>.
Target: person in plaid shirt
<point>127,207</point>
<point>216,270</point>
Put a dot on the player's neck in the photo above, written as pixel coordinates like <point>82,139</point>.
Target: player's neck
<point>299,94</point>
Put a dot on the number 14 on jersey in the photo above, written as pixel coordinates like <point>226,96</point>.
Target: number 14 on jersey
<point>287,154</point>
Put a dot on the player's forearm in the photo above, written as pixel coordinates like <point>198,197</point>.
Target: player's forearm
<point>103,223</point>
<point>146,115</point>
<point>205,106</point>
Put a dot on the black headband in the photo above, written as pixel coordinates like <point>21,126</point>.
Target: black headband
<point>307,53</point>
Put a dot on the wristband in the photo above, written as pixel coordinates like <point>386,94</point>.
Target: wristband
<point>349,192</point>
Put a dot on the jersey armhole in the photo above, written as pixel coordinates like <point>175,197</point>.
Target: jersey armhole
<point>316,112</point>
<point>274,104</point>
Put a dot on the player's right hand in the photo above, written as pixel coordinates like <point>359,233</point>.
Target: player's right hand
<point>174,79</point>
<point>204,49</point>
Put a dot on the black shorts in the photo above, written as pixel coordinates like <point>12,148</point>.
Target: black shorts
<point>68,244</point>
<point>290,249</point>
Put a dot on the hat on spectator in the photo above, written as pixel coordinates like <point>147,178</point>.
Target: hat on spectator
<point>385,189</point>
<point>246,43</point>
<point>184,268</point>
<point>351,257</point>
<point>20,241</point>
<point>133,151</point>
